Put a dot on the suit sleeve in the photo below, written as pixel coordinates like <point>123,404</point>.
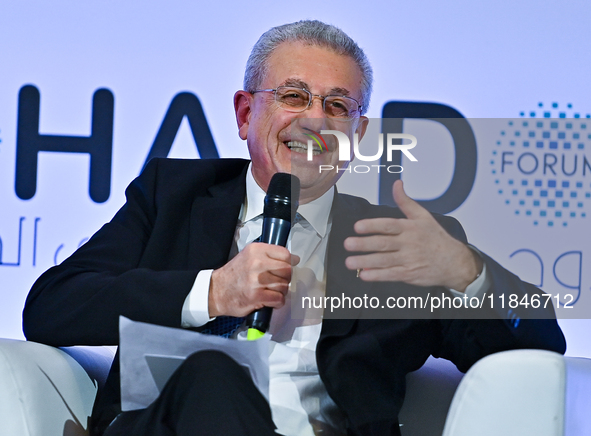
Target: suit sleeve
<point>464,341</point>
<point>79,301</point>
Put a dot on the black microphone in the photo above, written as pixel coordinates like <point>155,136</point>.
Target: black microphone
<point>281,204</point>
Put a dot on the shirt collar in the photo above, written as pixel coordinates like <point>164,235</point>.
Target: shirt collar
<point>255,198</point>
<point>315,212</point>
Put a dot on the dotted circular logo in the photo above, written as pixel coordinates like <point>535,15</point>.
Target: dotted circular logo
<point>541,168</point>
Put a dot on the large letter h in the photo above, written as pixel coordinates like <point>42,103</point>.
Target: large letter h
<point>99,144</point>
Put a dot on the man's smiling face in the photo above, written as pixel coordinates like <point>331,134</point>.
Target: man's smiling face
<point>267,127</point>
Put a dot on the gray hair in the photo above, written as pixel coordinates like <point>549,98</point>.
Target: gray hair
<point>311,32</point>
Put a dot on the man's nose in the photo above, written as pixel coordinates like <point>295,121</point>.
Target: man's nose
<point>313,117</point>
<point>316,107</point>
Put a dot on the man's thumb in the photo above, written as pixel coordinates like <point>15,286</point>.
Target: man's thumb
<point>407,205</point>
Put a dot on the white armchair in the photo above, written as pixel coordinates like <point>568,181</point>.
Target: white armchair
<point>513,393</point>
<point>45,391</point>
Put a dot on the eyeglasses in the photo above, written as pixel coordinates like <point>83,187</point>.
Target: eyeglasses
<point>299,99</point>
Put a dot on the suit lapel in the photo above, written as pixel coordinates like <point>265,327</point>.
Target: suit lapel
<point>339,279</point>
<point>213,223</point>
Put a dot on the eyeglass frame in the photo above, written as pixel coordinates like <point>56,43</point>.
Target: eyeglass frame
<point>321,97</point>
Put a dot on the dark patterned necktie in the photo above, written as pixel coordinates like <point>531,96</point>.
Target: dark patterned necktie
<point>224,326</point>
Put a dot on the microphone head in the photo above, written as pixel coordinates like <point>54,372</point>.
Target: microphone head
<point>282,198</point>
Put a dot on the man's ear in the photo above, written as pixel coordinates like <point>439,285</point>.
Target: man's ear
<point>242,102</point>
<point>362,127</point>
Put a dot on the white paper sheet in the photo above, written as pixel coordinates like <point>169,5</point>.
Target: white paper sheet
<point>149,354</point>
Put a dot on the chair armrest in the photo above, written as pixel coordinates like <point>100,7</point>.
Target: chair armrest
<point>44,391</point>
<point>522,392</point>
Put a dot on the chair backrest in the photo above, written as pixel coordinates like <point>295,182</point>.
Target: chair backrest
<point>429,392</point>
<point>96,361</point>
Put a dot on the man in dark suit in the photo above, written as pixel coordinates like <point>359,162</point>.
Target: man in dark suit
<point>179,254</point>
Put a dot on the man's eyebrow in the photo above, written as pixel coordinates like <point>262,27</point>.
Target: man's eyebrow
<point>296,83</point>
<point>338,91</point>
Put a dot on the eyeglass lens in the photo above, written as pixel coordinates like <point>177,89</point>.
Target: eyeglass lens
<point>297,100</point>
